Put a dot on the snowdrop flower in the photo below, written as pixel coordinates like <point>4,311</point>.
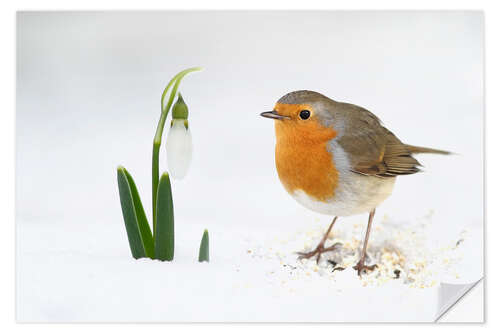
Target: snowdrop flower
<point>179,143</point>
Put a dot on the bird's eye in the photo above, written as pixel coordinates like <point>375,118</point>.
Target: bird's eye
<point>304,114</point>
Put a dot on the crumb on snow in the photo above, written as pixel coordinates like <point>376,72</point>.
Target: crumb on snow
<point>401,254</point>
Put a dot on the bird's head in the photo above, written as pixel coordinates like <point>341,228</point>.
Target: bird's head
<point>303,116</point>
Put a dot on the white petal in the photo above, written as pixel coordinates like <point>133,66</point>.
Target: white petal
<point>179,149</point>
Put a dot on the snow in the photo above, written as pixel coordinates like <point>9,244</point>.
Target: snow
<point>66,276</point>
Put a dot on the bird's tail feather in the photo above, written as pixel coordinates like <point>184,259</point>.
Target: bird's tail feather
<point>418,150</point>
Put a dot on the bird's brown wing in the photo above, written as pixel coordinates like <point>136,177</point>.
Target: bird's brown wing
<point>372,149</point>
<point>397,159</point>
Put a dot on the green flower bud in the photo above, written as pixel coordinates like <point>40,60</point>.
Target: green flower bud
<point>180,109</point>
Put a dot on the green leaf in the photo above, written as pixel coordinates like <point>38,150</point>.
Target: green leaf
<point>164,233</point>
<point>129,215</point>
<point>142,221</point>
<point>204,248</point>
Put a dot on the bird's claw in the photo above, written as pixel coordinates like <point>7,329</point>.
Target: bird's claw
<point>317,252</point>
<point>362,268</point>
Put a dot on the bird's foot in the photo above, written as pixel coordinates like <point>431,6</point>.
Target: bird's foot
<point>318,251</point>
<point>362,268</point>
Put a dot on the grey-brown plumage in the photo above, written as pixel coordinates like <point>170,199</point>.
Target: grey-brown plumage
<point>373,150</point>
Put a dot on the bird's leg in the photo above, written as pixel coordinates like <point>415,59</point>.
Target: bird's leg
<point>360,266</point>
<point>321,246</point>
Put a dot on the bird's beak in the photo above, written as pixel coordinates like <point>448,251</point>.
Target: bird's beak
<point>273,115</point>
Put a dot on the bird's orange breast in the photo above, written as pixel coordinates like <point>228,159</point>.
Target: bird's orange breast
<point>302,159</point>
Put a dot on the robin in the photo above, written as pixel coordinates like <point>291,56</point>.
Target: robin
<point>337,159</point>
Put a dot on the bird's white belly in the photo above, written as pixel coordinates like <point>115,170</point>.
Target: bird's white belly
<point>355,195</point>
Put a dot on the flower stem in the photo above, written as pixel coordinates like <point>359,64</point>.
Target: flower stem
<point>159,130</point>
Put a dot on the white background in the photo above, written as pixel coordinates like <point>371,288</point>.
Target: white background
<point>88,88</point>
<point>88,100</point>
<point>491,118</point>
